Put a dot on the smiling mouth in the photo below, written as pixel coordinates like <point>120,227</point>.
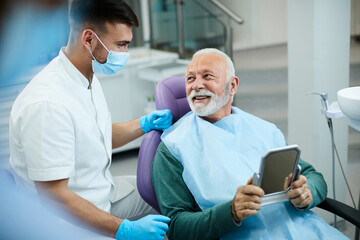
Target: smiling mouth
<point>200,98</point>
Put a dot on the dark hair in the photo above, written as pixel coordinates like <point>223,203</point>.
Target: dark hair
<point>95,13</point>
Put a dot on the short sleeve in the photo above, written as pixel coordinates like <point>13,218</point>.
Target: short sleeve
<point>48,141</point>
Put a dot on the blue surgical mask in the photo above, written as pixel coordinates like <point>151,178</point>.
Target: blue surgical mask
<point>114,62</point>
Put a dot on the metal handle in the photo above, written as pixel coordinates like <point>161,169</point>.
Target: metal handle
<point>180,27</point>
<point>227,11</point>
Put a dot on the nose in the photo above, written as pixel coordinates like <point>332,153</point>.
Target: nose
<point>198,84</point>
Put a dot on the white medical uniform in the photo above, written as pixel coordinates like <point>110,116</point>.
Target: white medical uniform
<point>59,128</point>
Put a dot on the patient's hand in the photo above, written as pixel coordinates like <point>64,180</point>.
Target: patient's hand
<point>300,194</point>
<point>247,201</point>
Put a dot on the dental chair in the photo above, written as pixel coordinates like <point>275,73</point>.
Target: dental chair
<point>170,94</point>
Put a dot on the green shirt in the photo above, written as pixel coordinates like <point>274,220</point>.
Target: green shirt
<point>188,221</point>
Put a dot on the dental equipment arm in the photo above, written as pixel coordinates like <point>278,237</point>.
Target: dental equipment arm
<point>324,110</point>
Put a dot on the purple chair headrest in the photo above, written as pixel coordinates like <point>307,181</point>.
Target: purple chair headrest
<point>169,94</point>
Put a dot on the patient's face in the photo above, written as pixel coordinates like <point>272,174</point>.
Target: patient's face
<point>206,86</point>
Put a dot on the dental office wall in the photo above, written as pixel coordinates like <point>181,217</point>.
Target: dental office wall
<point>266,22</point>
<point>355,17</point>
<point>318,58</point>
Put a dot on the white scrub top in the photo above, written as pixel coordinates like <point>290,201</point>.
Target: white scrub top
<point>60,129</point>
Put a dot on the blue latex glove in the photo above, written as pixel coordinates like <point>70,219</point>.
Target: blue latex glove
<point>159,119</point>
<point>151,227</point>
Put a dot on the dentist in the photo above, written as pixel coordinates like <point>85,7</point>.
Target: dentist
<point>61,135</point>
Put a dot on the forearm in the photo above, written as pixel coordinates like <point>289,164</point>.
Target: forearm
<point>90,214</point>
<point>123,133</point>
<point>81,209</point>
<point>209,224</point>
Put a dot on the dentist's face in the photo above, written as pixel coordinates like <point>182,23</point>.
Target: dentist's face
<point>206,87</point>
<point>117,38</point>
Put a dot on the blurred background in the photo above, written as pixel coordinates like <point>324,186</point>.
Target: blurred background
<point>281,49</point>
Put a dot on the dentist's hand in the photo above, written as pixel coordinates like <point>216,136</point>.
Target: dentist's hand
<point>247,201</point>
<point>151,227</point>
<point>159,120</point>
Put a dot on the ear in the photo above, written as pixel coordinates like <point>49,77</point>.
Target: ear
<point>234,84</point>
<point>87,39</point>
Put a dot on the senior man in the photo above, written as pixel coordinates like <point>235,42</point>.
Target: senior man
<point>202,169</point>
<point>61,134</point>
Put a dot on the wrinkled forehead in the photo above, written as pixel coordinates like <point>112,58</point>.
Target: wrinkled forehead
<point>207,62</point>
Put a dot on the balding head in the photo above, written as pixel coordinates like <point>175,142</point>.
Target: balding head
<point>230,70</point>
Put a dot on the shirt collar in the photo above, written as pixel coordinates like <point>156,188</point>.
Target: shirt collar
<point>75,74</point>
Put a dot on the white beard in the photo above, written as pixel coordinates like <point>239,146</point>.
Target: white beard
<point>214,105</point>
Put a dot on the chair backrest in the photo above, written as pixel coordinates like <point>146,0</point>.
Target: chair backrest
<point>169,94</point>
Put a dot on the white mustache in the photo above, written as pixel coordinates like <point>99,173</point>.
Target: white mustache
<point>202,92</point>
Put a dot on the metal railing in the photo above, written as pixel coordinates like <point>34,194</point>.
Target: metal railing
<point>228,12</point>
<point>180,27</point>
<point>228,29</point>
